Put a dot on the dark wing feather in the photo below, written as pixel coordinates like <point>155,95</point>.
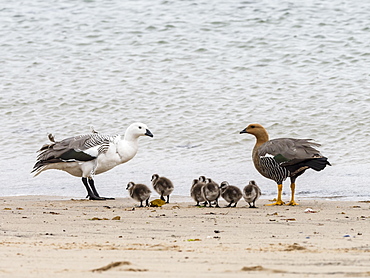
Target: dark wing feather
<point>71,155</point>
<point>78,148</point>
<point>289,150</point>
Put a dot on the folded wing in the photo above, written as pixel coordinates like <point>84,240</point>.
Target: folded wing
<point>79,148</point>
<point>289,150</point>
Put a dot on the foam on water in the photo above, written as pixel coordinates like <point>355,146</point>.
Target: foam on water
<point>197,73</point>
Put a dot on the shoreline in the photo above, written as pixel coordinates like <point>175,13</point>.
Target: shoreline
<point>60,236</point>
<point>187,198</point>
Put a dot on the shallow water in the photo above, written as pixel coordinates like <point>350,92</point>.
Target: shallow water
<point>196,73</point>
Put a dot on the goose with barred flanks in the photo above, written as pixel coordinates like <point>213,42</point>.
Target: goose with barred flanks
<point>90,154</point>
<point>278,159</point>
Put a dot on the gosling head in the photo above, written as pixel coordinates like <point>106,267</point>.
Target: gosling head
<point>202,179</point>
<point>155,177</point>
<point>224,185</point>
<point>130,185</point>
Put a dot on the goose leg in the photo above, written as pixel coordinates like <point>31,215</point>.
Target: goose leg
<point>162,198</point>
<point>147,202</point>
<point>292,189</point>
<point>92,185</point>
<point>168,199</point>
<point>279,201</point>
<point>90,192</point>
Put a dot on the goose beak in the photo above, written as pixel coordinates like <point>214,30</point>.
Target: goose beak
<point>243,131</point>
<point>148,133</point>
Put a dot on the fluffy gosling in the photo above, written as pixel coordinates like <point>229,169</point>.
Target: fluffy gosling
<point>196,191</point>
<point>211,192</point>
<point>230,193</point>
<point>139,192</point>
<point>163,186</point>
<point>251,193</point>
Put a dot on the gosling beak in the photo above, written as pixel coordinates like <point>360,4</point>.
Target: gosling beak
<point>148,133</point>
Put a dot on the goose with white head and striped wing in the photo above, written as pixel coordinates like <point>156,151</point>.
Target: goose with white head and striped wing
<point>91,154</point>
<point>278,159</point>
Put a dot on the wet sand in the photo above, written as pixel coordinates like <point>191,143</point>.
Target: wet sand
<point>43,236</point>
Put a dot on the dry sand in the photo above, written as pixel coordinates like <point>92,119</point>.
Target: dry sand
<point>43,236</point>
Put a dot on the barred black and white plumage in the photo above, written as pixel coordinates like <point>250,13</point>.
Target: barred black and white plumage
<point>272,170</point>
<point>90,154</point>
<point>280,158</point>
<point>79,148</point>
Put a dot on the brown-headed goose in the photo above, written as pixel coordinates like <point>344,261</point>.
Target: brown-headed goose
<point>278,159</point>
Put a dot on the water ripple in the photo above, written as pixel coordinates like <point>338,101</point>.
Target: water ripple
<point>196,71</point>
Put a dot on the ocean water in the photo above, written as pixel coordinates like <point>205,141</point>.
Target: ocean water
<point>197,73</point>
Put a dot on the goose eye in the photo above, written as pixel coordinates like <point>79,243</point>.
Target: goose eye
<point>139,127</point>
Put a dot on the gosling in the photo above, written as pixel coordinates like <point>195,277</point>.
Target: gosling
<point>211,192</point>
<point>251,193</point>
<point>162,186</point>
<point>139,192</point>
<point>230,193</point>
<point>196,191</point>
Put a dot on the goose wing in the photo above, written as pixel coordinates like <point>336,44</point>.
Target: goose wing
<point>288,151</point>
<point>79,148</point>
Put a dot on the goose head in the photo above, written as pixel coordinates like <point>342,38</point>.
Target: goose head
<point>136,130</point>
<point>258,131</point>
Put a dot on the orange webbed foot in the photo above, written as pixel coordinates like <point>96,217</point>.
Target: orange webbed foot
<point>277,203</point>
<point>292,203</point>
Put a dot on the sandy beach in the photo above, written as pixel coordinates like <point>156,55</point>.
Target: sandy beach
<point>63,237</point>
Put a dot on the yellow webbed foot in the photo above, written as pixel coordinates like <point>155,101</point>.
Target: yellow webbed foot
<point>292,203</point>
<point>277,203</point>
